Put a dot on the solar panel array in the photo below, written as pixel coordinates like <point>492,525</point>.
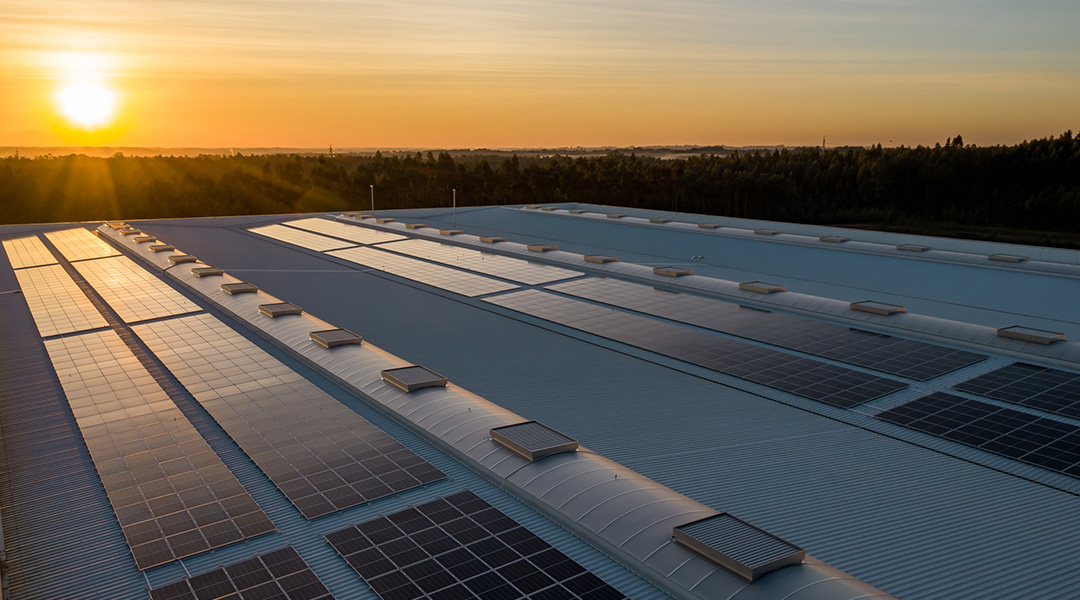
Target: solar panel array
<point>304,239</point>
<point>171,493</point>
<point>1025,437</point>
<point>1030,385</point>
<point>278,575</point>
<point>506,267</point>
<point>452,280</point>
<point>319,453</point>
<point>897,356</point>
<point>133,292</point>
<point>28,252</point>
<point>805,377</point>
<point>353,233</point>
<point>57,303</point>
<point>458,548</point>
<point>79,244</point>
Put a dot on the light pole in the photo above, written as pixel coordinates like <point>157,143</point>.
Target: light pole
<point>373,197</point>
<point>455,207</point>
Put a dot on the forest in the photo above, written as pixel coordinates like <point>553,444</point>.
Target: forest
<point>1029,192</point>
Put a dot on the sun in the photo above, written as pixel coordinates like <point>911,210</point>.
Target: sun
<point>86,104</point>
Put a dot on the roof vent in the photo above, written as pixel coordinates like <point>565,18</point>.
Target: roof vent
<point>280,309</point>
<point>577,211</point>
<point>834,239</point>
<point>615,215</point>
<point>761,287</point>
<point>492,239</point>
<point>1010,258</point>
<point>533,440</point>
<point>532,206</point>
<point>709,225</point>
<point>161,248</point>
<point>139,239</point>
<point>181,258</point>
<point>408,379</point>
<point>738,546</point>
<point>877,308</point>
<point>913,248</point>
<point>238,288</point>
<point>600,258</point>
<point>206,271</point>
<point>1027,334</point>
<point>328,338</point>
<point>659,220</point>
<point>768,231</point>
<point>672,271</point>
<point>116,224</point>
<point>450,232</point>
<point>130,231</point>
<point>548,208</point>
<point>351,213</point>
<point>541,248</point>
<point>363,216</point>
<point>415,225</point>
<point>385,220</point>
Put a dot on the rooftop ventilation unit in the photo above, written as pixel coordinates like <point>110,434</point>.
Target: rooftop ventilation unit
<point>834,239</point>
<point>709,225</point>
<point>385,220</point>
<point>1027,334</point>
<point>600,258</point>
<point>533,206</point>
<point>116,224</point>
<point>913,248</point>
<point>206,271</point>
<point>768,231</point>
<point>577,211</point>
<point>329,338</point>
<point>450,232</point>
<point>161,248</point>
<point>541,248</point>
<point>659,220</point>
<point>877,308</point>
<point>181,258</point>
<point>533,440</point>
<point>492,239</point>
<point>280,309</point>
<point>351,213</point>
<point>738,546</point>
<point>139,239</point>
<point>671,271</point>
<point>415,225</point>
<point>548,208</point>
<point>131,231</point>
<point>238,288</point>
<point>615,215</point>
<point>363,216</point>
<point>761,287</point>
<point>408,379</point>
<point>1010,258</point>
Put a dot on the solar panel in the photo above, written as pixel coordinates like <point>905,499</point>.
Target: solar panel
<point>458,548</point>
<point>132,291</point>
<point>169,490</point>
<point>278,575</point>
<point>352,233</point>
<point>452,280</point>
<point>1039,441</point>
<point>514,269</point>
<point>79,244</point>
<point>304,239</point>
<point>897,356</point>
<point>808,378</point>
<point>1029,385</point>
<point>28,251</point>
<point>533,440</point>
<point>57,303</point>
<point>738,546</point>
<point>319,453</point>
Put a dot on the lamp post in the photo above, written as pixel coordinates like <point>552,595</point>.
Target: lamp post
<point>455,206</point>
<point>373,197</point>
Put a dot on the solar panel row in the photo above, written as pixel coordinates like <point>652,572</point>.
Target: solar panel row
<point>296,237</point>
<point>79,244</point>
<point>28,251</point>
<point>505,267</point>
<point>56,302</point>
<point>352,233</point>
<point>132,291</point>
<point>452,280</point>
<point>278,575</point>
<point>1038,387</point>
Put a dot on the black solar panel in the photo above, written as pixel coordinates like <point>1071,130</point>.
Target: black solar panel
<point>805,377</point>
<point>1028,438</point>
<point>279,575</point>
<point>458,548</point>
<point>1030,385</point>
<point>897,356</point>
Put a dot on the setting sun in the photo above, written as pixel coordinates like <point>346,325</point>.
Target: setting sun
<point>86,104</point>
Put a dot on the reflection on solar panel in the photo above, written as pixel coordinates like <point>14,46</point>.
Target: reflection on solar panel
<point>57,303</point>
<point>907,358</point>
<point>1035,440</point>
<point>513,269</point>
<point>353,233</point>
<point>170,491</point>
<point>466,284</point>
<point>304,239</point>
<point>1030,385</point>
<point>458,548</point>
<point>321,455</point>
<point>80,244</point>
<point>28,252</point>
<point>132,291</point>
<point>804,377</point>
<point>279,575</point>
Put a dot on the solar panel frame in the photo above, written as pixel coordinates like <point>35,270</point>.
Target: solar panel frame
<point>132,291</point>
<point>28,251</point>
<point>56,302</point>
<point>274,575</point>
<point>451,280</point>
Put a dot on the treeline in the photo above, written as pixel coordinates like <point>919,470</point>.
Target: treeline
<point>1034,185</point>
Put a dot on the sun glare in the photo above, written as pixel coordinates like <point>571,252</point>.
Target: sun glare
<point>87,104</point>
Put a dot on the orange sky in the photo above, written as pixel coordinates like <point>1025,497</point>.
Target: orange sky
<point>382,73</point>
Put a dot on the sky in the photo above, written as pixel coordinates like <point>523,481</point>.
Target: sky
<point>548,73</point>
